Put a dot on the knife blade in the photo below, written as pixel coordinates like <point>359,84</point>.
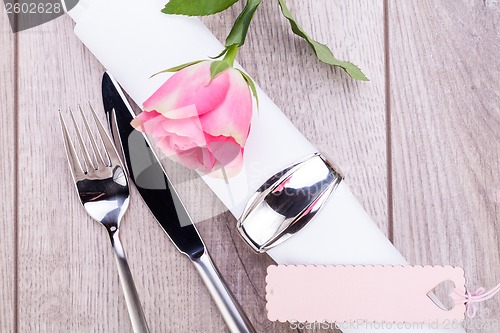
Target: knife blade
<point>153,184</point>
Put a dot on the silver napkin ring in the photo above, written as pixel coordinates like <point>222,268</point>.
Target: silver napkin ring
<point>287,201</point>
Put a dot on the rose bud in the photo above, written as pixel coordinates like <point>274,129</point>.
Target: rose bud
<point>199,121</point>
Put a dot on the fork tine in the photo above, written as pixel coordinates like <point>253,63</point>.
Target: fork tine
<point>74,162</point>
<point>97,154</point>
<point>86,156</point>
<point>111,153</point>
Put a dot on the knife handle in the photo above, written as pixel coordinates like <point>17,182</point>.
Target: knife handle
<point>231,311</point>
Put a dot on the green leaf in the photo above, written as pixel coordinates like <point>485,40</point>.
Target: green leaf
<point>251,84</point>
<point>178,68</point>
<point>220,54</point>
<point>218,67</point>
<point>240,28</point>
<point>322,51</point>
<point>197,7</point>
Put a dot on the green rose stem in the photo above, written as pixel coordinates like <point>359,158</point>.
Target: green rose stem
<point>239,30</point>
<point>231,53</point>
<point>234,41</point>
<point>219,66</point>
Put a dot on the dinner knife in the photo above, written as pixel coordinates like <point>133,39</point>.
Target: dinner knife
<point>155,187</point>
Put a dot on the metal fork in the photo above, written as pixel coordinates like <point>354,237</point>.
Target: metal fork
<point>102,186</point>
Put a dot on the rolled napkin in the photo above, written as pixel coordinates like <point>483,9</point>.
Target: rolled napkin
<point>134,40</point>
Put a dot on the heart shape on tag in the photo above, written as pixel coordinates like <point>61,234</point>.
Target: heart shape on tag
<point>441,295</point>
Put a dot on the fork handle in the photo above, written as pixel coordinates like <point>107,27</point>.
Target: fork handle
<point>134,307</point>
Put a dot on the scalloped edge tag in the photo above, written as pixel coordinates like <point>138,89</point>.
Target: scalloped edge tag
<point>382,293</point>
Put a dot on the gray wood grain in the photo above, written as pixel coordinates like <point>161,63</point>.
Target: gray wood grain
<point>445,186</point>
<point>61,253</point>
<point>67,278</point>
<point>344,118</point>
<point>445,108</point>
<point>7,180</point>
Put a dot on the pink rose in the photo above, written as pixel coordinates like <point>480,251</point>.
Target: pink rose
<point>199,123</point>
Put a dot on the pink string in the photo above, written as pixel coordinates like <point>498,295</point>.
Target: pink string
<point>478,296</point>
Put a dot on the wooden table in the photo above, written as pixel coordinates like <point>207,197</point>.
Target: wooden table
<point>419,145</point>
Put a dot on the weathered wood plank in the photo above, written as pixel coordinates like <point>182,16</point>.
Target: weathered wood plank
<point>445,144</point>
<point>446,136</point>
<point>343,118</point>
<point>68,279</point>
<point>67,276</point>
<point>7,180</point>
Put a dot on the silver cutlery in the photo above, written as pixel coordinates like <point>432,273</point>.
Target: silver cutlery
<point>102,186</point>
<point>153,184</point>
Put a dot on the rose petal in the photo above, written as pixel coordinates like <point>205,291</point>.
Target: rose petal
<point>145,116</point>
<point>224,149</point>
<point>198,159</point>
<point>147,122</point>
<point>187,111</point>
<point>233,116</point>
<point>188,127</point>
<point>199,123</point>
<point>228,170</point>
<point>189,86</point>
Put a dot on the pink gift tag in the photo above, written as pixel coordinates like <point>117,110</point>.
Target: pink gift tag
<point>370,293</point>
